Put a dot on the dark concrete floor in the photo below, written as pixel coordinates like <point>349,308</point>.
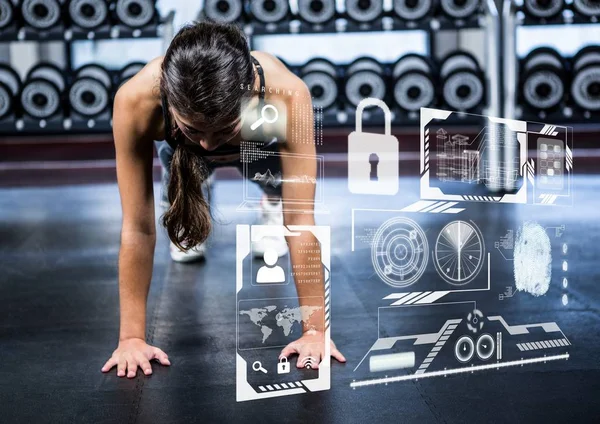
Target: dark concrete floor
<point>59,322</point>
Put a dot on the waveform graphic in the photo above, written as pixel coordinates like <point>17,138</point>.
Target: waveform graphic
<point>275,180</point>
<point>305,179</point>
<point>268,178</point>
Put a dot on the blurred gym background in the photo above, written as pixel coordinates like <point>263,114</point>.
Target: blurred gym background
<point>62,61</point>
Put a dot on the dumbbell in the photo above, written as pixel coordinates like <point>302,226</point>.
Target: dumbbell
<point>462,84</point>
<point>316,11</point>
<point>269,11</point>
<point>413,10</point>
<point>459,9</point>
<point>543,9</point>
<point>41,14</point>
<point>364,11</point>
<point>41,96</point>
<point>135,13</point>
<point>586,56</point>
<point>320,76</point>
<point>414,86</point>
<point>90,92</point>
<point>364,79</point>
<point>128,71</point>
<point>585,86</point>
<point>588,8</point>
<point>10,86</point>
<point>7,13</point>
<point>88,14</point>
<point>543,77</point>
<point>223,10</point>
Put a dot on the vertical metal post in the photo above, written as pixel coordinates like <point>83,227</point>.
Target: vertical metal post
<point>492,77</point>
<point>492,57</point>
<point>511,86</point>
<point>68,56</point>
<point>168,30</point>
<point>431,43</point>
<point>510,59</point>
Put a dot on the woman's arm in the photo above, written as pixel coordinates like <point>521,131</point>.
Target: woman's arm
<point>134,156</point>
<point>138,233</point>
<point>305,249</point>
<point>300,141</point>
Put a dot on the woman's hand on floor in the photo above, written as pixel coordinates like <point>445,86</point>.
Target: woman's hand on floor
<point>311,344</point>
<point>134,353</point>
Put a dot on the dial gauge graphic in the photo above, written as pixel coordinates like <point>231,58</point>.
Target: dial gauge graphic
<point>399,252</point>
<point>459,252</point>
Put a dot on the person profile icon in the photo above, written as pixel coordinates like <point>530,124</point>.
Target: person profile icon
<point>270,272</point>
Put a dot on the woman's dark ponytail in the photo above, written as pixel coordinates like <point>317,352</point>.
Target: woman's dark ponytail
<point>187,220</point>
<point>202,72</point>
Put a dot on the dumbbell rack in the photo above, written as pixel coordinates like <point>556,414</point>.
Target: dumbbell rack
<point>343,23</point>
<point>62,33</point>
<point>513,19</point>
<point>487,18</point>
<point>385,23</point>
<point>161,28</point>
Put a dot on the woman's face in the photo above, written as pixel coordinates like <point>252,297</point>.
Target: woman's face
<point>206,135</point>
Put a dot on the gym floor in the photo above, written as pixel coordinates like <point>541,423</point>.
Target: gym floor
<point>59,302</point>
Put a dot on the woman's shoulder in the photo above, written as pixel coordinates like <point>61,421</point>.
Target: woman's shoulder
<point>145,85</point>
<point>140,96</point>
<point>277,75</point>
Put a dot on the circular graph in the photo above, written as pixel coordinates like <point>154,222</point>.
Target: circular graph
<point>485,347</point>
<point>459,252</point>
<point>464,349</point>
<point>399,252</point>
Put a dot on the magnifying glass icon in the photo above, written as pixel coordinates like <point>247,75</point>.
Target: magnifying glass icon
<point>264,116</point>
<point>257,366</point>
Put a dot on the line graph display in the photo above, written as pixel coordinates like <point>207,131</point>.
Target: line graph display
<point>459,252</point>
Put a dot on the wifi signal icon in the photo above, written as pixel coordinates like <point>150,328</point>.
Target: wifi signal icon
<point>308,362</point>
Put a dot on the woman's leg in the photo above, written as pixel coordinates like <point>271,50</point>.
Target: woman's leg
<point>165,155</point>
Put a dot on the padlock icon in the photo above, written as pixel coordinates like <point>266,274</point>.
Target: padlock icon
<point>373,166</point>
<point>283,367</point>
